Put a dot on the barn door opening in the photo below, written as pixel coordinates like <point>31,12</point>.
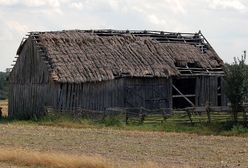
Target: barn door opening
<point>147,93</point>
<point>183,92</point>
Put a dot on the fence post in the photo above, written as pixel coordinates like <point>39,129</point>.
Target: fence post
<point>208,112</point>
<point>189,111</point>
<point>244,117</point>
<point>126,115</point>
<point>1,113</point>
<point>141,115</point>
<point>164,115</point>
<point>104,115</point>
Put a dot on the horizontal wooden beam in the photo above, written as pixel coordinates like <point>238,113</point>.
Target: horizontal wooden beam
<point>188,95</point>
<point>190,102</point>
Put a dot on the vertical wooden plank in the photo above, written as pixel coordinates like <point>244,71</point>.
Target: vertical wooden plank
<point>224,99</point>
<point>197,91</point>
<point>170,92</point>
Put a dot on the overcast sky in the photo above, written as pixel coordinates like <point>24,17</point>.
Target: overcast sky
<point>223,22</point>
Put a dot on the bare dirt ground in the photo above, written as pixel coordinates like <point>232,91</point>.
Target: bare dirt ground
<point>166,149</point>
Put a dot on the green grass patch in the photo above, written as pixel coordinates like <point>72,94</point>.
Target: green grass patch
<point>221,123</point>
<point>114,121</point>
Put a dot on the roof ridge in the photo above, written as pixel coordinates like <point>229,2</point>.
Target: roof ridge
<point>131,31</point>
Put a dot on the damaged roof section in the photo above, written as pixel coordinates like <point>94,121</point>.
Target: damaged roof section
<point>78,56</point>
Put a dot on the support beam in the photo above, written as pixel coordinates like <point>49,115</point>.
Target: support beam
<point>190,102</point>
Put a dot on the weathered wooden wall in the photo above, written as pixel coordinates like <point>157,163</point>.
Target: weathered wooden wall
<point>208,89</point>
<point>29,84</point>
<point>93,95</point>
<point>124,92</point>
<point>150,93</point>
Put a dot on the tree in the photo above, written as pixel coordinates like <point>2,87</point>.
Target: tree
<point>2,80</point>
<point>3,85</point>
<point>236,85</point>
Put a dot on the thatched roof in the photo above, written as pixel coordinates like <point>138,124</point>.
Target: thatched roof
<point>82,56</point>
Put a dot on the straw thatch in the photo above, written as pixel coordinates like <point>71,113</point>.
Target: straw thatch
<point>82,56</point>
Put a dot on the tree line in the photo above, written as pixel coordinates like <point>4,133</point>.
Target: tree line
<point>3,85</point>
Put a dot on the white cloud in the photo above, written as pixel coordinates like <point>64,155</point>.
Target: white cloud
<point>47,7</point>
<point>228,4</point>
<point>5,34</point>
<point>32,3</point>
<point>8,2</point>
<point>178,6</point>
<point>115,4</point>
<point>38,3</point>
<point>156,20</point>
<point>18,27</point>
<point>43,6</point>
<point>161,14</point>
<point>77,5</point>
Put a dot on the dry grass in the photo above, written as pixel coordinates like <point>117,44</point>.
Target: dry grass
<point>56,160</point>
<point>129,147</point>
<point>4,105</point>
<point>60,160</point>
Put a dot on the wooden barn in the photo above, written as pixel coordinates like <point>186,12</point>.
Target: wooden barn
<point>101,69</point>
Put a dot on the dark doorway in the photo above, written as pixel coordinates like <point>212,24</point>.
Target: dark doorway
<point>183,92</point>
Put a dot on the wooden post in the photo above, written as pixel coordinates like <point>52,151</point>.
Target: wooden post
<point>126,114</point>
<point>1,113</point>
<point>104,115</point>
<point>208,112</point>
<point>244,117</point>
<point>141,115</point>
<point>189,111</point>
<point>190,117</point>
<point>164,115</point>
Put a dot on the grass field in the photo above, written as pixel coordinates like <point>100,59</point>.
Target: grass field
<point>129,147</point>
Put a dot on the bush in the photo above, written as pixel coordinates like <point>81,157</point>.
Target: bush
<point>236,85</point>
<point>3,86</point>
<point>112,121</point>
<point>239,129</point>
